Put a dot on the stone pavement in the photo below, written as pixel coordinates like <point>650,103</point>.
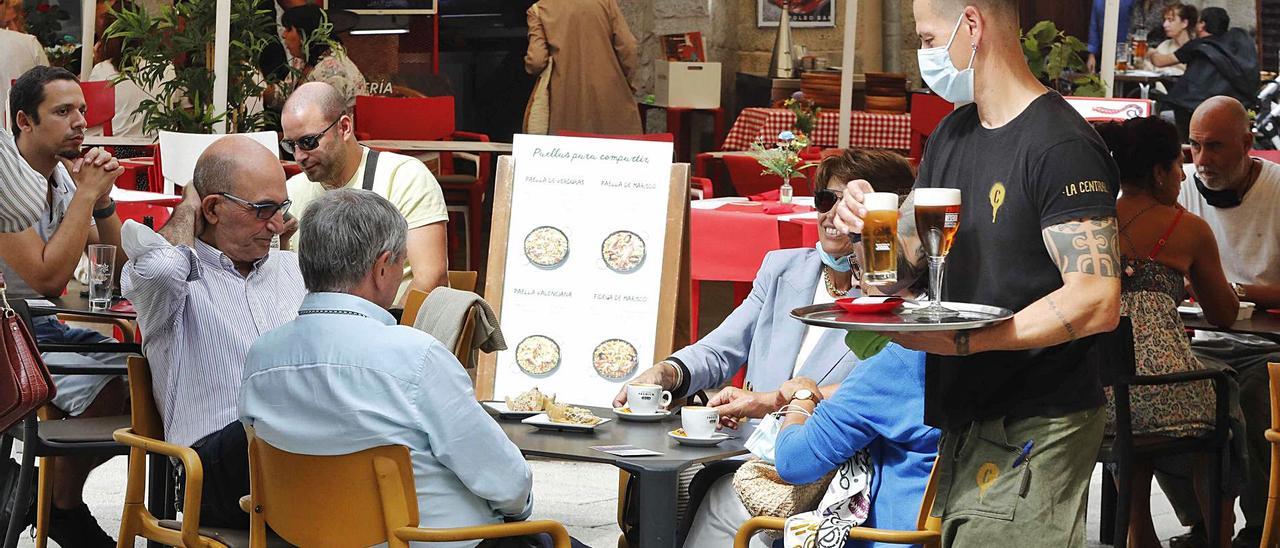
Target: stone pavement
<point>582,496</point>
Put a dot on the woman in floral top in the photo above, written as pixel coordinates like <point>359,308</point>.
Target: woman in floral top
<point>324,60</point>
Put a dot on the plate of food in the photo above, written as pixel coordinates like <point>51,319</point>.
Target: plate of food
<point>566,418</point>
<point>684,439</point>
<point>615,359</point>
<point>546,247</point>
<point>625,413</point>
<point>526,404</point>
<point>538,355</point>
<point>623,251</point>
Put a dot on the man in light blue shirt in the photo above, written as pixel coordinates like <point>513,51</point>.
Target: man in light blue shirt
<point>344,376</point>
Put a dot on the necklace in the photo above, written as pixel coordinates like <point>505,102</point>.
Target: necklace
<point>831,286</point>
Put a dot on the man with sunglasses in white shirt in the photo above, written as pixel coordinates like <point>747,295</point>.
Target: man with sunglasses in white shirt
<point>205,288</point>
<point>320,134</point>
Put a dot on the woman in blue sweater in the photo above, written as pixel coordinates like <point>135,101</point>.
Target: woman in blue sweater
<point>880,407</point>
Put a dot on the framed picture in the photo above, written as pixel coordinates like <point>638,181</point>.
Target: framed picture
<point>804,13</point>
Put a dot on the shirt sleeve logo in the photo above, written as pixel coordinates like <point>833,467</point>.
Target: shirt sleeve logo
<point>1085,186</point>
<point>997,199</point>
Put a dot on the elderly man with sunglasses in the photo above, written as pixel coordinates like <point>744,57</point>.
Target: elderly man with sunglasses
<point>320,134</point>
<point>205,288</point>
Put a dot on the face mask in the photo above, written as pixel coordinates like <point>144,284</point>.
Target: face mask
<point>950,83</point>
<point>842,264</point>
<point>1217,198</point>
<point>762,442</point>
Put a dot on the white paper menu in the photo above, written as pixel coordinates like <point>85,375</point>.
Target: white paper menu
<point>584,265</point>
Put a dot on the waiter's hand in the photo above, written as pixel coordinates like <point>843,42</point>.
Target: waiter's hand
<point>941,343</point>
<point>849,210</point>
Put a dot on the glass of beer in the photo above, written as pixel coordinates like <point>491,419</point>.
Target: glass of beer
<point>1139,43</point>
<point>879,238</point>
<point>937,220</point>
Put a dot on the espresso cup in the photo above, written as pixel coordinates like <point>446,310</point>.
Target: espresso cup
<point>647,398</point>
<point>699,422</point>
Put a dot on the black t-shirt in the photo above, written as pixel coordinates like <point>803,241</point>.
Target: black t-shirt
<point>1045,167</point>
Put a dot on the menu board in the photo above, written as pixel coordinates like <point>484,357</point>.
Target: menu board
<point>583,265</point>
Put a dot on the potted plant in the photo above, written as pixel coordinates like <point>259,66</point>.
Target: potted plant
<point>783,160</point>
<point>177,41</point>
<point>1055,59</point>
<point>806,114</point>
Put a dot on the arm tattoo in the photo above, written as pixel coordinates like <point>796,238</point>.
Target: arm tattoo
<point>1085,245</point>
<point>1071,331</point>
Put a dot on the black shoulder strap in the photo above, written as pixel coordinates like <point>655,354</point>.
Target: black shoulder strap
<point>370,169</point>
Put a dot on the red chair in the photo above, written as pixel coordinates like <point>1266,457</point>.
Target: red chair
<point>432,119</point>
<point>100,103</point>
<point>745,174</point>
<point>927,111</point>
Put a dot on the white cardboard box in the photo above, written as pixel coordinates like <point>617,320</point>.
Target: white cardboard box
<point>688,85</point>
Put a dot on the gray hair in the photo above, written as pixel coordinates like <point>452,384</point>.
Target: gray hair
<point>341,236</point>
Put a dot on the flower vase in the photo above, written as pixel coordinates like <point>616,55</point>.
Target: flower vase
<point>784,191</point>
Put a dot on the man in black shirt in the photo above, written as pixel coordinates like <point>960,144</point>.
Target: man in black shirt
<point>1019,402</point>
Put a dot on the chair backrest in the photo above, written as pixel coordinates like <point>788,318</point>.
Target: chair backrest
<point>404,118</point>
<point>927,111</point>
<point>925,521</point>
<point>146,420</point>
<point>1097,109</point>
<point>1274,370</point>
<point>463,280</point>
<point>747,179</point>
<point>100,104</point>
<point>179,152</point>
<point>357,499</point>
<point>412,304</point>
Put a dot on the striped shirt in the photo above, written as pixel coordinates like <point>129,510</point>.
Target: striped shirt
<point>199,317</point>
<point>22,190</point>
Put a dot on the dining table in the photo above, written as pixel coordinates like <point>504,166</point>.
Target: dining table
<point>1263,324</point>
<point>656,478</point>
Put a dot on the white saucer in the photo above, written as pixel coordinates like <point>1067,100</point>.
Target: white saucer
<point>715,439</point>
<point>625,413</point>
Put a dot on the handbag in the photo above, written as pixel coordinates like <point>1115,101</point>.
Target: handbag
<point>537,113</point>
<point>764,493</point>
<point>25,384</point>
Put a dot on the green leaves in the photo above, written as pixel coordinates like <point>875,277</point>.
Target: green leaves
<point>170,54</point>
<point>1057,60</point>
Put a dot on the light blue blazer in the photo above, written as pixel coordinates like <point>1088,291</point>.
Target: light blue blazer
<point>761,331</point>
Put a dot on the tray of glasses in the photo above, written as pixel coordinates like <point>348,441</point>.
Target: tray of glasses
<point>904,318</point>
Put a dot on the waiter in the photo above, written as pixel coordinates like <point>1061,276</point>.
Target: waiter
<point>1020,404</point>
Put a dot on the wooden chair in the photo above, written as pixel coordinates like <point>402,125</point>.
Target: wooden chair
<point>295,495</point>
<point>1271,528</point>
<point>145,437</point>
<point>928,528</point>
<point>463,280</point>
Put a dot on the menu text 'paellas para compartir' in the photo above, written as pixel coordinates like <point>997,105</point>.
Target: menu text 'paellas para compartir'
<point>575,156</point>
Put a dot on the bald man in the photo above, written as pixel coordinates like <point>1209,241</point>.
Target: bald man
<point>320,134</point>
<point>1036,235</point>
<point>1237,195</point>
<point>205,288</point>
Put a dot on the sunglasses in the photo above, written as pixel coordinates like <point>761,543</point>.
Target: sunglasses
<point>824,200</point>
<point>262,211</point>
<point>306,142</point>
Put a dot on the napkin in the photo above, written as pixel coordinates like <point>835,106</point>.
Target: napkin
<point>778,209</point>
<point>770,196</point>
<point>865,344</point>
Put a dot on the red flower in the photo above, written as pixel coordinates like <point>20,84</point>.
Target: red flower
<point>43,8</point>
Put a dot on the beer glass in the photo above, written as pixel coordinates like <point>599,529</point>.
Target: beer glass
<point>937,220</point>
<point>102,268</point>
<point>1139,44</point>
<point>879,238</point>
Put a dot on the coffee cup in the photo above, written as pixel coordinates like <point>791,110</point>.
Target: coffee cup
<point>699,422</point>
<point>647,398</point>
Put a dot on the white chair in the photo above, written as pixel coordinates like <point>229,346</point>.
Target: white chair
<point>179,152</point>
<point>1097,109</point>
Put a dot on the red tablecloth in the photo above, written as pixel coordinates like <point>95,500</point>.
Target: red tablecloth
<point>869,130</point>
<point>729,243</point>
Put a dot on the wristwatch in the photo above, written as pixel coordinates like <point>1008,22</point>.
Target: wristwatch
<point>1239,289</point>
<point>804,394</point>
